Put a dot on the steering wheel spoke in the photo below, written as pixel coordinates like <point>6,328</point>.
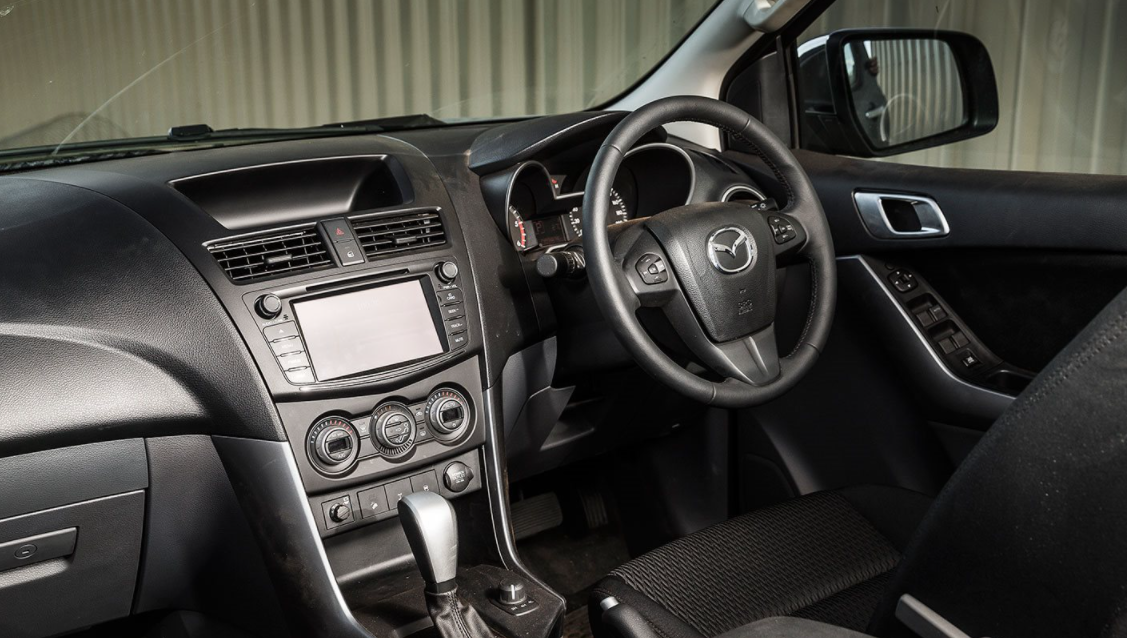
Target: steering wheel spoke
<point>752,359</point>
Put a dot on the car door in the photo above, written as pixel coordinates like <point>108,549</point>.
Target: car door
<point>964,266</point>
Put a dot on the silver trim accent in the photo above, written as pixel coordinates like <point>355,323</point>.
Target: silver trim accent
<point>494,482</point>
<point>431,526</point>
<point>742,237</point>
<point>741,188</point>
<point>610,602</point>
<point>924,620</point>
<point>870,205</point>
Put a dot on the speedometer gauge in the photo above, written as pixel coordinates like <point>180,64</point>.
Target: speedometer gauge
<point>618,214</point>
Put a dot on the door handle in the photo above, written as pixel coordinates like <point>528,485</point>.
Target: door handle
<point>900,215</point>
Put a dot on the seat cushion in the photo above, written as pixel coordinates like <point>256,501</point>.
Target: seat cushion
<point>823,557</point>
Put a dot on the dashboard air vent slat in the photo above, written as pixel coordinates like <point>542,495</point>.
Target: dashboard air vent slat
<point>390,234</point>
<point>257,258</point>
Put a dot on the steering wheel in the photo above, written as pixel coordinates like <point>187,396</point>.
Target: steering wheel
<point>710,267</point>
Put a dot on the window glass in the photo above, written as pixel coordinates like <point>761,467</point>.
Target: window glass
<point>91,70</point>
<point>1061,69</point>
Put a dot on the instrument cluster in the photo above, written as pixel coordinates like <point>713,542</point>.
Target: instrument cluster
<point>540,215</point>
<point>544,209</point>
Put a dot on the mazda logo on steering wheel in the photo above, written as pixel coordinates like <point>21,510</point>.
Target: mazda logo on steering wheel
<point>731,249</point>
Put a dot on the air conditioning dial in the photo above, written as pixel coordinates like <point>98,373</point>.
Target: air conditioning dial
<point>333,445</point>
<point>394,429</point>
<point>448,414</point>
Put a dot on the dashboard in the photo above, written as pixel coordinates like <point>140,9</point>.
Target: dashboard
<point>318,327</point>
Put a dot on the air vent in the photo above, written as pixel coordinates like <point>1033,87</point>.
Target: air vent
<point>386,235</point>
<point>286,253</point>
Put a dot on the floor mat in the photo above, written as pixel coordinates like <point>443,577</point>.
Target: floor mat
<point>576,624</point>
<point>572,564</point>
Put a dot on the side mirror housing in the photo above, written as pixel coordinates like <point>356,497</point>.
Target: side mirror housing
<point>880,92</point>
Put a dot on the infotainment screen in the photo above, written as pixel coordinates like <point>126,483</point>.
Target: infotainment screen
<point>369,329</point>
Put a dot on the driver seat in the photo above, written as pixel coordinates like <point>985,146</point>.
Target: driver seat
<point>1025,540</point>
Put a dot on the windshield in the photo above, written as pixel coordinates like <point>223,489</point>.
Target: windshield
<point>88,70</point>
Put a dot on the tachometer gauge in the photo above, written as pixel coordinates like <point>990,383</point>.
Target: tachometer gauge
<point>618,214</point>
<point>575,218</point>
<point>519,231</point>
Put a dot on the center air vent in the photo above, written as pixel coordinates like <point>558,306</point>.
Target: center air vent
<point>389,234</point>
<point>265,256</point>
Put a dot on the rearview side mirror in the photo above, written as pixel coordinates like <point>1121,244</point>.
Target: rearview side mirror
<point>880,92</point>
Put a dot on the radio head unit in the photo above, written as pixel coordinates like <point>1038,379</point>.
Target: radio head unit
<point>351,329</point>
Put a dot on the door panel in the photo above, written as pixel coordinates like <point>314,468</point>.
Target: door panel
<point>984,209</point>
<point>1027,261</point>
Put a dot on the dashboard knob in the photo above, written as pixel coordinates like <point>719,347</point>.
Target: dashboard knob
<point>569,262</point>
<point>447,271</point>
<point>448,414</point>
<point>340,513</point>
<point>511,592</point>
<point>393,426</point>
<point>333,444</point>
<point>268,306</point>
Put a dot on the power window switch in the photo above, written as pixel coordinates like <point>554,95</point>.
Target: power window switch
<point>947,346</point>
<point>969,360</point>
<point>938,312</point>
<point>960,340</point>
<point>925,318</point>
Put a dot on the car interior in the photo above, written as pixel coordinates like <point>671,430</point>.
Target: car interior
<point>804,323</point>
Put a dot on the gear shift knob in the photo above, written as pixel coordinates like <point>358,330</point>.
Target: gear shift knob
<point>432,530</point>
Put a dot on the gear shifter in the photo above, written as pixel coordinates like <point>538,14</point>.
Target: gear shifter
<point>432,531</point>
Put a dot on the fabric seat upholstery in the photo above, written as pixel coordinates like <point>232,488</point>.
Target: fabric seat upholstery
<point>824,557</point>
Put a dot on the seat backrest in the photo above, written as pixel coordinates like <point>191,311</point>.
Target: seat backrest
<point>1029,537</point>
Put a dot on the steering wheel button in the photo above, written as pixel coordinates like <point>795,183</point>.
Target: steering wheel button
<point>652,269</point>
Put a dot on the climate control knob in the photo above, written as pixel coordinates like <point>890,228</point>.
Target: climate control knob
<point>394,429</point>
<point>448,414</point>
<point>333,444</point>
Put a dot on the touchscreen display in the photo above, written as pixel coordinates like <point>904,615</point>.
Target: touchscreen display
<point>368,329</point>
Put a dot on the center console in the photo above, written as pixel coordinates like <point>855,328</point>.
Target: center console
<point>356,300</point>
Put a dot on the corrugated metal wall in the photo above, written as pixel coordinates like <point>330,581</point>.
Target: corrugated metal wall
<point>136,67</point>
<point>1062,77</point>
